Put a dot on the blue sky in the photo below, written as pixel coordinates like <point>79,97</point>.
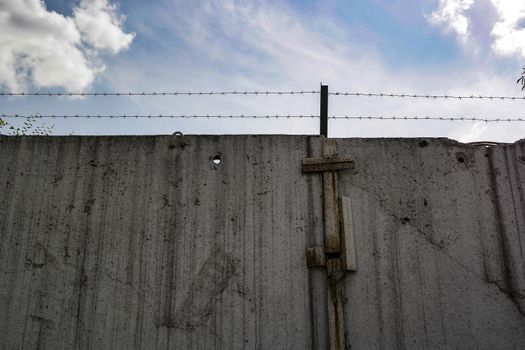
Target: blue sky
<point>427,46</point>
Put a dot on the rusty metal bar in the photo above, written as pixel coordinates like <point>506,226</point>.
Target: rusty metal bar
<point>333,163</point>
<point>333,248</point>
<point>335,294</point>
<point>331,255</point>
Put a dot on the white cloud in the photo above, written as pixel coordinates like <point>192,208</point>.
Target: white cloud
<point>509,30</point>
<point>47,49</point>
<point>504,30</point>
<point>101,26</point>
<point>452,15</point>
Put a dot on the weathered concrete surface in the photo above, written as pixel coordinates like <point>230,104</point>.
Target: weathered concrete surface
<point>440,236</point>
<point>143,242</point>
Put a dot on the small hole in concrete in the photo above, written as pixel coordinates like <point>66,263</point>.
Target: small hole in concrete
<point>461,157</point>
<point>216,160</point>
<point>423,143</point>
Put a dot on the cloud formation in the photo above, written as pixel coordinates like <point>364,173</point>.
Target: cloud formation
<point>101,26</point>
<point>268,45</point>
<point>452,15</point>
<point>507,30</point>
<point>46,49</point>
<point>253,45</point>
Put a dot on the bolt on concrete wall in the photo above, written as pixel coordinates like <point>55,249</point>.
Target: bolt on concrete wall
<point>199,242</point>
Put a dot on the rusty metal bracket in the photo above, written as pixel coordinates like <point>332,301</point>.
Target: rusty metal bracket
<point>339,236</point>
<point>331,163</point>
<point>315,257</point>
<point>338,252</point>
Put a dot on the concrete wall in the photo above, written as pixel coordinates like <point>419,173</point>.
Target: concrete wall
<point>440,232</point>
<point>145,242</point>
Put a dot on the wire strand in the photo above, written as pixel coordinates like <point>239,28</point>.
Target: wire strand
<point>427,96</point>
<point>262,93</point>
<point>452,119</point>
<point>242,116</point>
<point>155,93</point>
<point>182,116</point>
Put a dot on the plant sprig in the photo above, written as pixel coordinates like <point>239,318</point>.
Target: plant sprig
<point>30,126</point>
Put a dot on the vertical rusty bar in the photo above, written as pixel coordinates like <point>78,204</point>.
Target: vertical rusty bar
<point>335,296</point>
<point>333,249</point>
<point>332,237</point>
<point>331,255</point>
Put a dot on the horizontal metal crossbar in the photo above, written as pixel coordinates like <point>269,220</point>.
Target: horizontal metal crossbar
<point>331,163</point>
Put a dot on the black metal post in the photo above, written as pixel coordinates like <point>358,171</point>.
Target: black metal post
<point>324,111</point>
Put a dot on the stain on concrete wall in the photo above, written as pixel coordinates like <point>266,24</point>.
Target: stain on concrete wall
<point>209,283</point>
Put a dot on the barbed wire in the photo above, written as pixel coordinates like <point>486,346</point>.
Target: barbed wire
<point>156,93</point>
<point>426,96</point>
<point>182,116</point>
<point>400,118</point>
<point>262,93</point>
<point>243,116</point>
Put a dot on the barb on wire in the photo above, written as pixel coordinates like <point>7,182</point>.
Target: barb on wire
<point>430,97</point>
<point>182,116</point>
<point>451,119</point>
<point>157,93</point>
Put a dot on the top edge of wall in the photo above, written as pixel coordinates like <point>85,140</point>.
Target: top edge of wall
<point>443,140</point>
